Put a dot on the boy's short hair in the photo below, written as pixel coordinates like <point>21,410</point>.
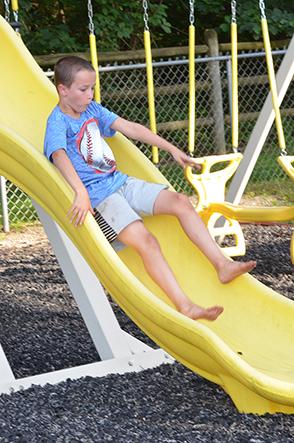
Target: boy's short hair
<point>66,69</point>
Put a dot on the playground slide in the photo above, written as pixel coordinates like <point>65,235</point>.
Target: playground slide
<point>248,350</point>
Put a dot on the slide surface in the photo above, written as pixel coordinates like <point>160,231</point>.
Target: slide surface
<point>248,350</point>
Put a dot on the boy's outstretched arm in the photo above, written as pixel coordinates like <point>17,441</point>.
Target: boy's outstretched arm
<point>81,204</point>
<point>139,132</point>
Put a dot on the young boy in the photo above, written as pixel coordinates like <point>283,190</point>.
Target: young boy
<point>75,143</point>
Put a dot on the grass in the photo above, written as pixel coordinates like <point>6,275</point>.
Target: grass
<point>19,227</point>
<point>278,193</point>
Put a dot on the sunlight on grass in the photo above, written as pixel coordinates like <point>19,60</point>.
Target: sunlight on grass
<point>278,193</point>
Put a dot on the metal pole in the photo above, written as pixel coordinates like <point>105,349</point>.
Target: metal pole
<point>229,80</point>
<point>4,204</point>
<point>261,128</point>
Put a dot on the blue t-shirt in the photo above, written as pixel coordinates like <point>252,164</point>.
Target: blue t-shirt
<point>83,140</point>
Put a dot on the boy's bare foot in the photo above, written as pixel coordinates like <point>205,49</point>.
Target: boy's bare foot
<point>233,269</point>
<point>197,312</point>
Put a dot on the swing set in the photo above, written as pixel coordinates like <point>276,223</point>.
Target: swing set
<point>210,186</point>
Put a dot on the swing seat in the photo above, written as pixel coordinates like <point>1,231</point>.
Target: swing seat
<point>210,187</point>
<point>286,162</point>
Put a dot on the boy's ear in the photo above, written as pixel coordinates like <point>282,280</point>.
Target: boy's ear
<point>62,89</point>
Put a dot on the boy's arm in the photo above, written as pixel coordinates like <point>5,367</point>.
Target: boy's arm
<point>139,132</point>
<point>81,204</point>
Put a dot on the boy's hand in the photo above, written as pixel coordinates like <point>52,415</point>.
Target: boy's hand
<point>81,204</point>
<point>80,207</point>
<point>184,160</point>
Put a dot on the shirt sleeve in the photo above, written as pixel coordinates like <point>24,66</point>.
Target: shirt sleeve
<point>105,118</point>
<point>55,135</point>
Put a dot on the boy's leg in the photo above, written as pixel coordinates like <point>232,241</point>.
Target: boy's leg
<point>176,204</point>
<point>137,236</point>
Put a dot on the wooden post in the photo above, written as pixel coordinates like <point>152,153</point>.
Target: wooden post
<point>216,93</point>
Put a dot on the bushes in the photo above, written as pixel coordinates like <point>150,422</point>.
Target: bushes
<point>52,27</point>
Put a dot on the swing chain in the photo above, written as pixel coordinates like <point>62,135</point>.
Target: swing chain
<point>15,13</point>
<point>90,15</point>
<point>191,13</point>
<point>262,9</point>
<point>7,10</point>
<point>233,8</point>
<point>145,16</point>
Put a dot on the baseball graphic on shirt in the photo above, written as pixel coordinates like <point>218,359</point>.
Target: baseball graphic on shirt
<point>95,150</point>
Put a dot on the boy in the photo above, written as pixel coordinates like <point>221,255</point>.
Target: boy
<point>74,142</point>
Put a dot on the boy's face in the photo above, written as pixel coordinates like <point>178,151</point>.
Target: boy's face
<point>79,95</point>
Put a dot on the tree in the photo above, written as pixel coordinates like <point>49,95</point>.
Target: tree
<point>216,14</point>
<point>279,15</point>
<point>62,26</point>
<point>56,26</point>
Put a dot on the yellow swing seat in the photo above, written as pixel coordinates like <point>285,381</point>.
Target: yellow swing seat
<point>210,187</point>
<point>286,162</point>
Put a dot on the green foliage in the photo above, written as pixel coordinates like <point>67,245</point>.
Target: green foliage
<point>52,27</point>
<point>56,27</point>
<point>51,40</point>
<point>121,25</point>
<point>45,29</point>
<point>204,7</point>
<point>279,15</point>
<point>216,14</point>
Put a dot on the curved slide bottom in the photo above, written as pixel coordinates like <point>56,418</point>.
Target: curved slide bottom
<point>248,350</point>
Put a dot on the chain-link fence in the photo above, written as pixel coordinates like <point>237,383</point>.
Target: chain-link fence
<point>124,91</point>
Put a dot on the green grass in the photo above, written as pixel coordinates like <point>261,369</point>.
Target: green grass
<point>279,193</point>
<point>19,225</point>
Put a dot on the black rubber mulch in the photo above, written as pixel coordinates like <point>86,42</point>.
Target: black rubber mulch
<point>41,330</point>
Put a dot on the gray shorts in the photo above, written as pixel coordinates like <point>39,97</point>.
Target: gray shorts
<point>133,200</point>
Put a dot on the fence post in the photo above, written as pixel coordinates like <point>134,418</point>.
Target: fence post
<point>230,89</point>
<point>4,204</point>
<point>211,40</point>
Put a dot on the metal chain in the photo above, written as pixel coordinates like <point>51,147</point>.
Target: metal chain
<point>90,15</point>
<point>233,9</point>
<point>7,10</point>
<point>262,9</point>
<point>145,16</point>
<point>15,13</point>
<point>191,18</point>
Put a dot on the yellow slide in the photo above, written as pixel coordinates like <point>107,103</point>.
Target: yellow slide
<point>248,350</point>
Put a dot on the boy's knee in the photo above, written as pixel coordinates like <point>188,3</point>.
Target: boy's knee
<point>138,237</point>
<point>150,240</point>
<point>182,203</point>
